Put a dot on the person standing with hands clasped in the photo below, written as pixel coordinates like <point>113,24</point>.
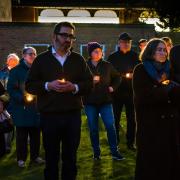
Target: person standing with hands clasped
<point>59,77</point>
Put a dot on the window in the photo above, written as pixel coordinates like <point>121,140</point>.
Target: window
<point>39,47</point>
<point>133,47</point>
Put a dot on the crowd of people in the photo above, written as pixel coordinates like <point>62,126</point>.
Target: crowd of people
<point>46,93</point>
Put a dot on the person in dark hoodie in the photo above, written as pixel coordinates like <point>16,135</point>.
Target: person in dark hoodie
<point>59,77</point>
<point>23,110</point>
<point>99,100</point>
<point>156,114</point>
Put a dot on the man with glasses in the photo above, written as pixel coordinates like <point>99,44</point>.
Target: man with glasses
<point>124,60</point>
<point>59,77</point>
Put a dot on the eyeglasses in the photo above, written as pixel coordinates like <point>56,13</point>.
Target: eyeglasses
<point>66,36</point>
<point>30,54</point>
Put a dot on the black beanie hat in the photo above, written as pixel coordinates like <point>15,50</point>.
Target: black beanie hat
<point>92,46</point>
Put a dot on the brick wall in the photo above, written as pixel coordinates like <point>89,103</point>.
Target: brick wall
<point>13,36</point>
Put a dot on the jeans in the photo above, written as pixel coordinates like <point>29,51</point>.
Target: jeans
<point>106,112</point>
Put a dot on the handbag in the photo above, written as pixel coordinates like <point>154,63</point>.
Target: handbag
<point>6,124</point>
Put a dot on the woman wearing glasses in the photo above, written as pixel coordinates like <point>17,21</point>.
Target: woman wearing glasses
<point>156,115</point>
<point>24,112</point>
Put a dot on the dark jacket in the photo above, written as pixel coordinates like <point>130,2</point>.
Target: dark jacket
<point>2,90</point>
<point>23,114</point>
<point>4,74</point>
<point>46,68</point>
<point>157,116</point>
<point>108,77</point>
<point>124,63</point>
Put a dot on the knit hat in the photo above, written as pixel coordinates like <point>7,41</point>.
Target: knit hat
<point>125,36</point>
<point>92,46</point>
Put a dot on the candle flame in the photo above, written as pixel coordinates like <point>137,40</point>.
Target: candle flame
<point>166,82</point>
<point>62,80</point>
<point>29,97</point>
<point>127,75</point>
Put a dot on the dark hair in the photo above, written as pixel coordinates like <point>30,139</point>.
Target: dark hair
<point>58,26</point>
<point>142,41</point>
<point>150,49</point>
<point>25,49</point>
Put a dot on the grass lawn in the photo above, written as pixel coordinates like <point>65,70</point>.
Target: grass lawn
<point>88,169</point>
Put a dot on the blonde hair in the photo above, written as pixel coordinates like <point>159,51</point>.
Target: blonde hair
<point>14,55</point>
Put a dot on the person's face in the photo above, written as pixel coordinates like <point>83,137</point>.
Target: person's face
<point>97,54</point>
<point>169,46</point>
<point>12,62</point>
<point>64,38</point>
<point>29,56</point>
<point>125,45</point>
<point>142,45</point>
<point>160,53</point>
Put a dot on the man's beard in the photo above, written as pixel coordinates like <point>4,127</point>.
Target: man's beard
<point>66,46</point>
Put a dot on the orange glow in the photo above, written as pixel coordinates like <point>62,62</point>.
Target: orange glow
<point>29,97</point>
<point>127,75</point>
<point>62,80</point>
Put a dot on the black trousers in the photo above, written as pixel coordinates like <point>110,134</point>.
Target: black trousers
<point>22,134</point>
<point>118,104</point>
<point>2,145</point>
<point>65,129</point>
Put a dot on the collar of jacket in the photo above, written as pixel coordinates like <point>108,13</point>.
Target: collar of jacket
<point>91,64</point>
<point>23,64</point>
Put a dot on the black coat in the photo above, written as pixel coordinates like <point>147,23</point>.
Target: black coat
<point>46,68</point>
<point>108,77</point>
<point>157,117</point>
<point>124,63</point>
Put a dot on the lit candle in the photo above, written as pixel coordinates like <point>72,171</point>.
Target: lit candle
<point>62,80</point>
<point>166,82</point>
<point>127,75</point>
<point>96,78</point>
<point>29,97</point>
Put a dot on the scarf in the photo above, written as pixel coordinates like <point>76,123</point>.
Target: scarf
<point>157,70</point>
